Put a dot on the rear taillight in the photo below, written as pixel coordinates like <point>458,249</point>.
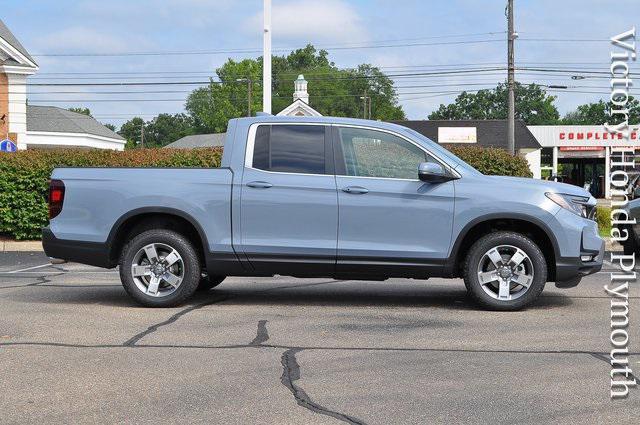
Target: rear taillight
<point>56,197</point>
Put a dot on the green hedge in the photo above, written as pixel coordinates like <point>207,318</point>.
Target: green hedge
<point>24,175</point>
<point>24,178</point>
<point>492,161</point>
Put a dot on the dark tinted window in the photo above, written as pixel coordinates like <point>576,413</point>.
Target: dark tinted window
<point>290,148</point>
<point>261,148</point>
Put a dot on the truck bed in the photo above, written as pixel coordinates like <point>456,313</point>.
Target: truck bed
<point>97,199</point>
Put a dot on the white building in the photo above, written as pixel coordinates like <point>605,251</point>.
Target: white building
<point>580,154</point>
<point>300,106</point>
<point>41,126</point>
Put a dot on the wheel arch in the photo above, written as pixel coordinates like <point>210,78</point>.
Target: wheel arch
<point>527,225</point>
<point>158,217</point>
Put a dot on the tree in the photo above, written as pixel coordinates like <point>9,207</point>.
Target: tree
<point>83,111</point>
<point>332,91</point>
<point>533,105</point>
<point>160,131</point>
<point>167,128</point>
<point>131,131</point>
<point>598,113</point>
<point>110,126</point>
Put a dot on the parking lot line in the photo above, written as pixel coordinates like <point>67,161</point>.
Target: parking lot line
<point>30,268</point>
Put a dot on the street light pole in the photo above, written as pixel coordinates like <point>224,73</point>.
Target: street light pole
<point>511,125</point>
<point>266,59</point>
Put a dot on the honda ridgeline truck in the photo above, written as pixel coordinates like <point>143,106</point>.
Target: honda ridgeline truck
<point>324,197</point>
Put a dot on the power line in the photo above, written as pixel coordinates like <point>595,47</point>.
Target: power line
<point>343,46</point>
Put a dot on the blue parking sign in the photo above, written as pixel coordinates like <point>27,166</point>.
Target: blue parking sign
<point>8,146</point>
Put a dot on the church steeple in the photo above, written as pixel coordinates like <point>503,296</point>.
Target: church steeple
<point>300,86</point>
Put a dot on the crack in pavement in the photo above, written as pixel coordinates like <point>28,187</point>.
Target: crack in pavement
<point>607,359</point>
<point>134,339</point>
<point>151,329</point>
<point>262,335</point>
<point>41,279</point>
<point>291,374</point>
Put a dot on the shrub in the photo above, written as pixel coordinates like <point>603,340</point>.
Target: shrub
<point>603,218</point>
<point>24,178</point>
<point>492,161</point>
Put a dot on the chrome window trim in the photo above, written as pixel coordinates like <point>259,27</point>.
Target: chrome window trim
<point>251,140</point>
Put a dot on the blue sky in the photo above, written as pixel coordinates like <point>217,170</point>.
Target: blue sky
<point>115,26</point>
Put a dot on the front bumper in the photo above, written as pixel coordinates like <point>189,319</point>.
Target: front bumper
<point>569,271</point>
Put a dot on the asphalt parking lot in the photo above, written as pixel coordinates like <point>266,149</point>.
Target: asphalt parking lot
<point>74,348</point>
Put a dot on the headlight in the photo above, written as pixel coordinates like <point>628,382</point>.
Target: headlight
<point>576,204</point>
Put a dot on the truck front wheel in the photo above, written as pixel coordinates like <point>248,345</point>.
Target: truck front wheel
<point>505,271</point>
<point>159,268</point>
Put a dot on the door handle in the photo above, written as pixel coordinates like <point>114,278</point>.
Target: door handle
<point>260,185</point>
<point>356,190</point>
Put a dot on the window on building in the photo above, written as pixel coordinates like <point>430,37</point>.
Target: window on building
<point>370,153</point>
<point>290,149</point>
<point>546,157</point>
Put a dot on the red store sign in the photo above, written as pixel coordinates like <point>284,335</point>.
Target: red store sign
<point>595,135</point>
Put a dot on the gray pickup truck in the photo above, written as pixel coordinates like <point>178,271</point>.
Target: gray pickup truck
<point>324,197</point>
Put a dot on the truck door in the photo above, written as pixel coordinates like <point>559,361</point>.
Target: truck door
<point>289,206</point>
<point>390,222</point>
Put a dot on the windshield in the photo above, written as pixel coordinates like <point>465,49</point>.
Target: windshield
<point>455,162</point>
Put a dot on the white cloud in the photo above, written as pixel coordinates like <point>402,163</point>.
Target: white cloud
<point>311,21</point>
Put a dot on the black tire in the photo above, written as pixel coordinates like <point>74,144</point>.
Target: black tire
<point>475,256</point>
<point>209,282</point>
<point>190,272</point>
<point>630,246</point>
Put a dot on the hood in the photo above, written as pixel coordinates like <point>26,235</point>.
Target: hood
<point>543,185</point>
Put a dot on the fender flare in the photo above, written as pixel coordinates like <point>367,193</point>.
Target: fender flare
<point>506,216</point>
<point>117,226</point>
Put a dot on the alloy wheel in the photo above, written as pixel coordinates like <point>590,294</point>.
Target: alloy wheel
<point>157,270</point>
<point>505,272</point>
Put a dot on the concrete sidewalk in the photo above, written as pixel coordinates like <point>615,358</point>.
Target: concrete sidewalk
<point>22,246</point>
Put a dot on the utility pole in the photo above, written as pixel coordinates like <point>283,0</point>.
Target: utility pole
<point>266,59</point>
<point>511,125</point>
<point>142,135</point>
<point>366,99</point>
<point>249,84</point>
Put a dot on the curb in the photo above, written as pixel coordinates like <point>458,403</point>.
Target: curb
<point>24,246</point>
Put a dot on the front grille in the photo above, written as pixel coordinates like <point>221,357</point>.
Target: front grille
<point>591,212</point>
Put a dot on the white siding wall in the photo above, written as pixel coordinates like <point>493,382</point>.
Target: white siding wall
<point>41,139</point>
<point>18,106</point>
<point>533,157</point>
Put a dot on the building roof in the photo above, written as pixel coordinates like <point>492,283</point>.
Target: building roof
<point>299,108</point>
<point>57,120</point>
<point>492,133</point>
<point>8,36</point>
<point>198,141</point>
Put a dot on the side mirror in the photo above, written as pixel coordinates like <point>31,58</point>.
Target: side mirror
<point>433,173</point>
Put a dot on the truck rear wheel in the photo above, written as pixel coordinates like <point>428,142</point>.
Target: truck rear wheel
<point>159,268</point>
<point>505,271</point>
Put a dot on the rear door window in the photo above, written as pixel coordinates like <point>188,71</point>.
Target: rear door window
<point>290,149</point>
